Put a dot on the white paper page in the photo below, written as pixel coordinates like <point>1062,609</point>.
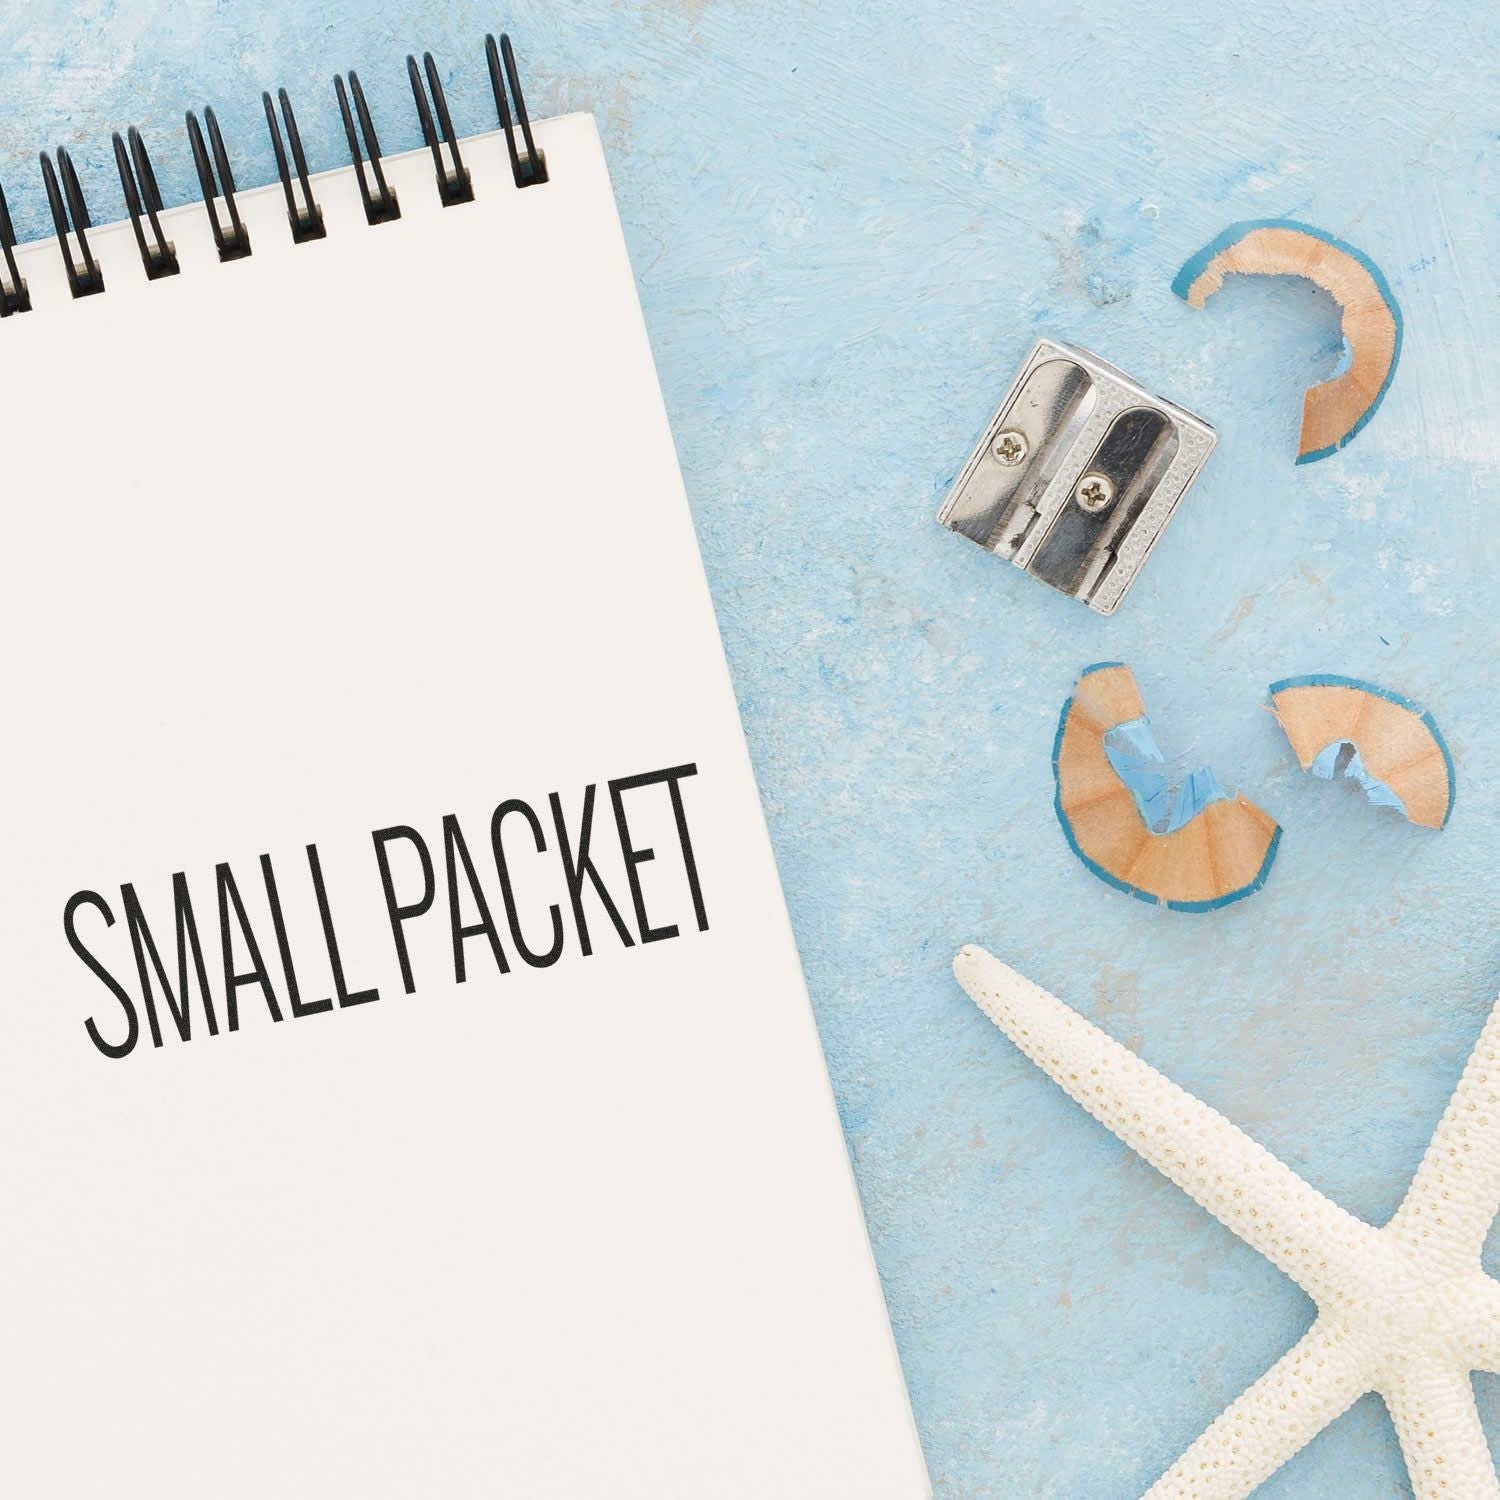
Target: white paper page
<point>347,537</point>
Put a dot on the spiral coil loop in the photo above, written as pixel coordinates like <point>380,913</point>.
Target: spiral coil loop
<point>211,162</point>
<point>14,297</point>
<point>233,241</point>
<point>454,183</point>
<point>381,205</point>
<point>143,201</point>
<point>305,216</point>
<point>67,203</point>
<point>528,169</point>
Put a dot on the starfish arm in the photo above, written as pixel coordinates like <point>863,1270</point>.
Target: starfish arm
<point>1482,1342</point>
<point>1432,1405</point>
<point>1453,1198</point>
<point>1238,1181</point>
<point>1314,1382</point>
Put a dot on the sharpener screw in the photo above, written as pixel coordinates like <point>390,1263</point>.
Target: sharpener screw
<point>1094,492</point>
<point>1010,448</point>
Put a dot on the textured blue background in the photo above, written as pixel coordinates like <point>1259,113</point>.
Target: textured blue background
<point>848,224</point>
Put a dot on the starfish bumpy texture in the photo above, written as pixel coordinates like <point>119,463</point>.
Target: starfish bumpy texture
<point>1405,1310</point>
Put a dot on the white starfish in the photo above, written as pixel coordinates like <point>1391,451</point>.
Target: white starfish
<point>1405,1310</point>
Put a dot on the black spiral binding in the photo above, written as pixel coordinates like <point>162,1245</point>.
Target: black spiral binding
<point>85,280</point>
<point>143,200</point>
<point>233,242</point>
<point>306,217</point>
<point>14,297</point>
<point>380,202</point>
<point>529,170</point>
<point>454,184</point>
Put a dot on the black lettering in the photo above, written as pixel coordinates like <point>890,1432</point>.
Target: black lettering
<point>284,948</point>
<point>635,858</point>
<point>577,870</point>
<point>398,913</point>
<point>330,937</point>
<point>144,944</point>
<point>689,864</point>
<point>453,844</point>
<point>536,960</point>
<point>229,895</point>
<point>113,985</point>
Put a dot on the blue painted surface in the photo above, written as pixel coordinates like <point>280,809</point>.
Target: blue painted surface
<point>849,224</point>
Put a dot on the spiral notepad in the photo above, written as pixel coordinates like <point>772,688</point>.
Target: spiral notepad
<point>407,1085</point>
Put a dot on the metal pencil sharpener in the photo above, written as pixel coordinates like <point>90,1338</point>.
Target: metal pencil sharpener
<point>1077,475</point>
